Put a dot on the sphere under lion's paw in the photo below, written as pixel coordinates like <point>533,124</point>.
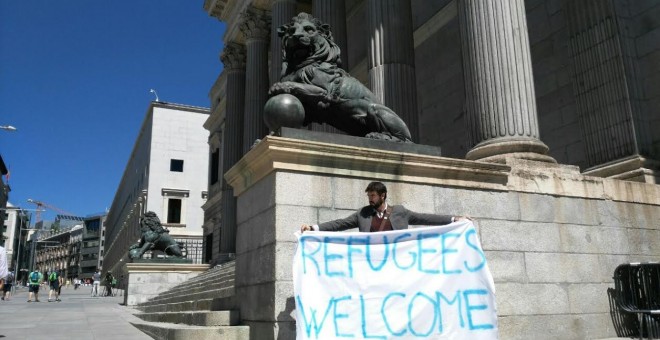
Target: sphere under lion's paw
<point>284,110</point>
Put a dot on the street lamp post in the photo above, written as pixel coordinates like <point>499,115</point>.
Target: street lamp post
<point>18,258</point>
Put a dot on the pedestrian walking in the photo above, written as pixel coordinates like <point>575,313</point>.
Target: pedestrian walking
<point>97,281</point>
<point>54,283</point>
<point>108,284</point>
<point>34,279</point>
<point>9,282</point>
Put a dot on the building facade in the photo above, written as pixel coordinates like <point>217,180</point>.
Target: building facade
<point>548,86</point>
<point>550,81</point>
<point>10,229</point>
<point>17,222</point>
<point>167,174</point>
<point>4,198</point>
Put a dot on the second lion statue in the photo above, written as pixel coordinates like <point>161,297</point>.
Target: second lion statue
<point>154,237</point>
<point>311,71</point>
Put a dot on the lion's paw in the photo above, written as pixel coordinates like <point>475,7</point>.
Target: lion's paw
<point>279,88</point>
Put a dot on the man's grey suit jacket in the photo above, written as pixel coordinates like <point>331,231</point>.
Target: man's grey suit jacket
<point>400,218</point>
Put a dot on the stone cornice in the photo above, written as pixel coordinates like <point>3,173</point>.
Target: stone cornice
<point>213,200</point>
<point>278,153</point>
<point>233,56</point>
<point>165,267</point>
<point>517,175</point>
<point>255,24</point>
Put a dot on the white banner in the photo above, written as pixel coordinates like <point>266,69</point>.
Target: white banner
<point>424,283</point>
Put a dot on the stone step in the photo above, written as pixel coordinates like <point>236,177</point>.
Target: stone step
<point>195,318</point>
<point>205,294</point>
<point>225,303</point>
<point>193,305</point>
<point>211,294</point>
<point>160,330</point>
<point>212,279</point>
<point>191,292</point>
<point>198,287</point>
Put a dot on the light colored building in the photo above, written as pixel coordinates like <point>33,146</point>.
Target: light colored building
<point>167,174</point>
<point>14,219</point>
<point>4,197</point>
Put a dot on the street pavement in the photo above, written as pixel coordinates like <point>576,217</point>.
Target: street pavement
<point>77,316</point>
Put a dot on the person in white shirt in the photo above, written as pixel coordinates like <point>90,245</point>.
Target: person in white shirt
<point>97,281</point>
<point>3,266</point>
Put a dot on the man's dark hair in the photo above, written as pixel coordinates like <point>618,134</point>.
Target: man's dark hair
<point>378,187</point>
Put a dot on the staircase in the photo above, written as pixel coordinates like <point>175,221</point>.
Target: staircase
<point>194,309</point>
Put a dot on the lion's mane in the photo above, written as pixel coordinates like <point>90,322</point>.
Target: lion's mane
<point>152,221</point>
<point>324,49</point>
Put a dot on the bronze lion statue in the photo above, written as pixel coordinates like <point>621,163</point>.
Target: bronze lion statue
<point>311,71</point>
<point>154,237</point>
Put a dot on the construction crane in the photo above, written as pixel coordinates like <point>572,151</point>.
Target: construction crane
<point>41,205</point>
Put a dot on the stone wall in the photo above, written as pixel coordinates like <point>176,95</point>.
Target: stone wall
<point>552,237</point>
<point>147,280</point>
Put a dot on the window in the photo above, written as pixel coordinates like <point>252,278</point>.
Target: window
<point>176,165</point>
<point>215,164</point>
<point>174,210</point>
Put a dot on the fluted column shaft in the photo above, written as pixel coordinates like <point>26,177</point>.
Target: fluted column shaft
<point>606,84</point>
<point>501,103</point>
<point>233,58</point>
<point>333,13</point>
<point>256,28</point>
<point>281,12</point>
<point>392,58</point>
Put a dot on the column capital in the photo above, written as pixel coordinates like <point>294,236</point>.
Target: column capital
<point>233,56</point>
<point>255,24</point>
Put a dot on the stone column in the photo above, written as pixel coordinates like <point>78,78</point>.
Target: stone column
<point>501,103</point>
<point>233,58</point>
<point>281,11</point>
<point>608,91</point>
<point>255,26</point>
<point>333,13</point>
<point>392,58</point>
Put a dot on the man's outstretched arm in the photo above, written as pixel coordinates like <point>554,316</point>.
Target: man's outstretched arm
<point>349,222</point>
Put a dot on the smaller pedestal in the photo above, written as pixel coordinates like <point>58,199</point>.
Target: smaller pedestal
<point>148,279</point>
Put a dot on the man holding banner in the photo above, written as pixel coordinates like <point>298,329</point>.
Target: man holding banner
<point>378,216</point>
<point>422,283</point>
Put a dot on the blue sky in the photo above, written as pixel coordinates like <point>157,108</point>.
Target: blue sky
<point>74,80</point>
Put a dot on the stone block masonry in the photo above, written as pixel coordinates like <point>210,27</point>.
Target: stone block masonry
<point>552,236</point>
<point>147,280</point>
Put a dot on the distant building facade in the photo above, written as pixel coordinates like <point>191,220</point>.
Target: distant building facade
<point>10,228</point>
<point>4,198</point>
<point>15,238</point>
<point>167,174</point>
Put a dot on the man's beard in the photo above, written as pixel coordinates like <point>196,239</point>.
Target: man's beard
<point>376,204</point>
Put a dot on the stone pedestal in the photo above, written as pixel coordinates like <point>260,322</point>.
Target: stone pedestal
<point>633,168</point>
<point>552,236</point>
<point>148,279</point>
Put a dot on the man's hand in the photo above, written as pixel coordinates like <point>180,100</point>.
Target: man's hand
<point>306,227</point>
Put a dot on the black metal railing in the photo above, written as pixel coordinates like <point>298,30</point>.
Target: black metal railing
<point>637,291</point>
